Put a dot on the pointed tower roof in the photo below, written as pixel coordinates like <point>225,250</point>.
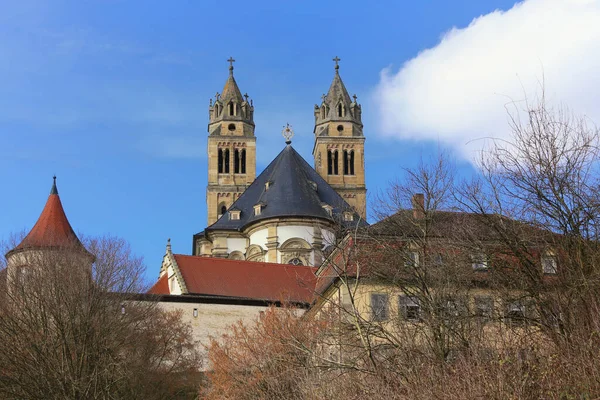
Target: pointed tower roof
<point>52,228</point>
<point>337,89</point>
<point>288,187</point>
<point>337,106</point>
<point>231,91</point>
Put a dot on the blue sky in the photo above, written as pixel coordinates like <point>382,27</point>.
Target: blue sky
<point>112,96</point>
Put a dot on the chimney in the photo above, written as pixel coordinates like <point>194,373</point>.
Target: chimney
<point>418,204</point>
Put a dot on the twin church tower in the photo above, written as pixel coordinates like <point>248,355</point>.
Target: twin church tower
<point>338,150</point>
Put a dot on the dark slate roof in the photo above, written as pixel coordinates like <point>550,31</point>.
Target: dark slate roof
<point>295,190</point>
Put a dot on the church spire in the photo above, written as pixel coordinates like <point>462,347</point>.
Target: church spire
<point>339,143</point>
<point>336,105</point>
<point>231,147</point>
<point>231,91</point>
<point>230,105</point>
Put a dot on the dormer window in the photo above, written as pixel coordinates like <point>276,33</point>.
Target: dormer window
<point>268,185</point>
<point>313,185</point>
<point>348,216</point>
<point>328,209</point>
<point>258,208</point>
<point>234,215</point>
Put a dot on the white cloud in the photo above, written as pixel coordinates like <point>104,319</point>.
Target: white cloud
<point>456,92</point>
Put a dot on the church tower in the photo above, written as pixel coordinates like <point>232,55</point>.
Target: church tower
<point>231,147</point>
<point>339,143</point>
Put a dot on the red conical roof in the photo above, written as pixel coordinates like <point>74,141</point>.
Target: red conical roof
<point>52,228</point>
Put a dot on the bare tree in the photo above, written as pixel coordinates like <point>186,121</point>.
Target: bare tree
<point>71,329</point>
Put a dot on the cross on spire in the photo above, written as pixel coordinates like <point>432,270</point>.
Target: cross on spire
<point>231,61</point>
<point>337,60</point>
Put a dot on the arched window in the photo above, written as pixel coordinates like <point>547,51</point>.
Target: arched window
<point>236,161</point>
<point>351,162</point>
<point>226,166</point>
<point>295,261</point>
<point>329,163</point>
<point>243,159</point>
<point>340,110</point>
<point>323,112</point>
<point>335,162</point>
<point>221,210</point>
<point>216,110</point>
<point>346,171</point>
<point>231,109</point>
<point>220,161</point>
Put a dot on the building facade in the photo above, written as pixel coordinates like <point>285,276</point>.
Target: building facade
<point>290,212</point>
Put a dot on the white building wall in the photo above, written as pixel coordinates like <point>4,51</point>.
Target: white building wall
<point>236,244</point>
<point>174,287</point>
<point>259,237</point>
<point>213,320</point>
<point>328,237</point>
<point>305,232</point>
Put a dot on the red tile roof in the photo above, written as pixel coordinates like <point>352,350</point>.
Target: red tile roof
<point>247,279</point>
<point>161,286</point>
<point>52,228</point>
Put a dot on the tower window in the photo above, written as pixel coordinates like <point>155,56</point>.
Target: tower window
<point>243,160</point>
<point>216,110</point>
<point>340,110</point>
<point>329,163</point>
<point>231,109</point>
<point>335,162</point>
<point>340,128</point>
<point>222,210</point>
<point>346,160</point>
<point>220,161</point>
<point>231,127</point>
<point>226,169</point>
<point>349,162</point>
<point>236,161</point>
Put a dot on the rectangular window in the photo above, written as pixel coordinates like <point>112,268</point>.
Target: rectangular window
<point>452,307</point>
<point>195,313</point>
<point>515,312</point>
<point>379,307</point>
<point>437,259</point>
<point>549,265</point>
<point>484,307</point>
<point>412,259</point>
<point>409,308</point>
<point>479,262</point>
